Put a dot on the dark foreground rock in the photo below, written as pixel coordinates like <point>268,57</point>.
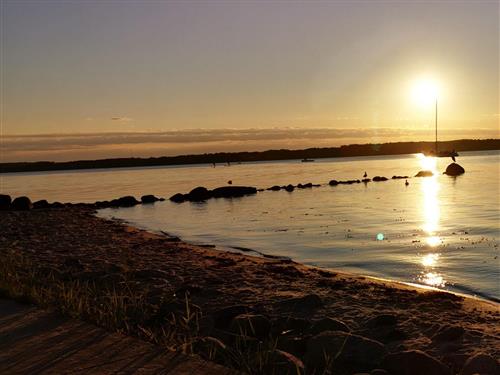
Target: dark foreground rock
<point>5,201</point>
<point>21,204</point>
<point>424,174</point>
<point>414,362</point>
<point>481,364</point>
<point>454,169</point>
<point>344,349</point>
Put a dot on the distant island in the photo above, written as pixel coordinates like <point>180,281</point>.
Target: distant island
<point>394,148</point>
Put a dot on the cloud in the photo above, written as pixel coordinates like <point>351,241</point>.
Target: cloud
<point>117,144</point>
<point>122,119</point>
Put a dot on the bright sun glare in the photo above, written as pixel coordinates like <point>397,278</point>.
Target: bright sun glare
<point>425,91</point>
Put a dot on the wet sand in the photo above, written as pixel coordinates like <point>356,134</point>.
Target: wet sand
<point>292,300</point>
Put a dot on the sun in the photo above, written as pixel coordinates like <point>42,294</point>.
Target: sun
<point>425,91</point>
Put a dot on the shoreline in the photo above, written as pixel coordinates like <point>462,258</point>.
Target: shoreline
<point>260,254</point>
<point>300,306</point>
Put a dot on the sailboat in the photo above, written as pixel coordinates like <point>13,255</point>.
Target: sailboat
<point>436,153</point>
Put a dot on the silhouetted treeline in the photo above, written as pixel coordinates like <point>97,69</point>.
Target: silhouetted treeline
<point>234,157</point>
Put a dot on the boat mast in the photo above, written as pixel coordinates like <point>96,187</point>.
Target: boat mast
<point>436,143</point>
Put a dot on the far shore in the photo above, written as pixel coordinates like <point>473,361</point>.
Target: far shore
<point>226,158</point>
<point>235,309</point>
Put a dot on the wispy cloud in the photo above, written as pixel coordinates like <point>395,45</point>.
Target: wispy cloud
<point>122,119</point>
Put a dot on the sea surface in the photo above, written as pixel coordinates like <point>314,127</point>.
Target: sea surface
<point>438,231</point>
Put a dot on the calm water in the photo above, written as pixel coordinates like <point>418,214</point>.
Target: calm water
<point>439,231</point>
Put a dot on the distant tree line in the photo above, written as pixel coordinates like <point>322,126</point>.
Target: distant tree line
<point>395,148</point>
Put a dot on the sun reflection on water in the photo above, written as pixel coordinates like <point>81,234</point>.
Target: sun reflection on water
<point>431,215</point>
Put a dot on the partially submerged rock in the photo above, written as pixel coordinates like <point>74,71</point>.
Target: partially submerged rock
<point>380,178</point>
<point>201,193</point>
<point>424,174</point>
<point>149,198</point>
<point>454,169</point>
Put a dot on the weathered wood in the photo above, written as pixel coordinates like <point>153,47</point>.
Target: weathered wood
<point>35,341</point>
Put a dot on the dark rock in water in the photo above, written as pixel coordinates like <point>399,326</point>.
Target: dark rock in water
<point>413,362</point>
<point>251,325</point>
<point>328,324</point>
<point>424,174</point>
<point>333,183</point>
<point>399,177</point>
<point>448,333</point>
<point>102,204</point>
<point>454,169</point>
<point>358,351</point>
<point>233,191</point>
<point>5,201</point>
<point>41,204</point>
<point>274,188</point>
<point>178,198</point>
<point>145,199</point>
<point>56,205</point>
<point>365,180</point>
<point>127,201</point>
<point>198,194</point>
<point>289,188</point>
<point>480,364</point>
<point>305,186</point>
<point>380,178</point>
<point>21,204</point>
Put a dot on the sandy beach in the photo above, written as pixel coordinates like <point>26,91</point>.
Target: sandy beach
<point>317,320</point>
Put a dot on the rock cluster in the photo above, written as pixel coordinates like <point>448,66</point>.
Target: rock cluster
<point>24,203</point>
<point>201,193</point>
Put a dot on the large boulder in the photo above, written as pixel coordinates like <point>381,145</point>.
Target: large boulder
<point>233,191</point>
<point>21,204</point>
<point>199,194</point>
<point>146,199</point>
<point>424,174</point>
<point>344,348</point>
<point>413,362</point>
<point>5,201</point>
<point>481,364</point>
<point>454,169</point>
<point>41,204</point>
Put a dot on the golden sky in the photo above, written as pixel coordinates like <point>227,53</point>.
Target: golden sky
<point>222,67</point>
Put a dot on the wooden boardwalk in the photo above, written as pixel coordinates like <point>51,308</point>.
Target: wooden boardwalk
<point>35,341</point>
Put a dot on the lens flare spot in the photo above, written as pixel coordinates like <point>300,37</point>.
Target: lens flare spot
<point>380,236</point>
